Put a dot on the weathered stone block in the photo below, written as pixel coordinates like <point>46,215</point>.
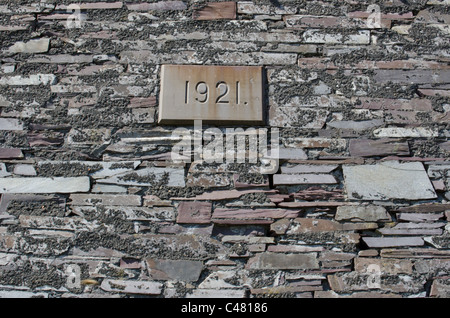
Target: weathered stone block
<point>387,266</point>
<point>45,185</point>
<point>216,11</point>
<point>132,287</point>
<point>181,270</point>
<point>382,242</point>
<point>270,260</point>
<point>370,213</point>
<point>32,46</point>
<point>194,212</point>
<point>389,180</point>
<point>293,179</point>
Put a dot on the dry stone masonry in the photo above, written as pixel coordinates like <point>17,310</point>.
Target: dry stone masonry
<point>93,203</point>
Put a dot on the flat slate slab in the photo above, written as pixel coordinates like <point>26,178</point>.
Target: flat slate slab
<point>44,185</point>
<point>381,242</point>
<point>388,180</point>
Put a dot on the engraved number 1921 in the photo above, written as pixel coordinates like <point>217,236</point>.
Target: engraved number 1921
<point>202,93</point>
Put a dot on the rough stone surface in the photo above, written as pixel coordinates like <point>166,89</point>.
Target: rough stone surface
<point>387,181</point>
<point>44,185</point>
<point>370,213</point>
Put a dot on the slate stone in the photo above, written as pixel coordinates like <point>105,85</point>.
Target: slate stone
<point>425,208</point>
<point>194,212</point>
<point>216,11</point>
<point>132,287</point>
<point>379,147</point>
<point>356,125</point>
<point>293,179</point>
<point>249,216</point>
<point>382,242</point>
<point>25,170</point>
<point>308,225</point>
<point>440,288</point>
<point>303,168</point>
<point>182,270</point>
<point>44,185</point>
<point>419,217</point>
<point>32,46</point>
<point>158,6</point>
<point>217,293</point>
<point>349,282</point>
<point>369,213</point>
<point>268,260</point>
<point>34,79</point>
<point>388,180</point>
<point>3,171</point>
<point>10,124</point>
<point>412,76</point>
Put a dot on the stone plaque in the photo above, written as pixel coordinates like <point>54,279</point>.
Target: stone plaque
<point>216,94</point>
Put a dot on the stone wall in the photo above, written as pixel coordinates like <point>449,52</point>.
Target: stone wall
<point>92,204</point>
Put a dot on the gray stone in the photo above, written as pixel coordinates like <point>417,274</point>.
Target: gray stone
<point>288,154</point>
<point>44,185</point>
<point>412,76</point>
<point>132,287</point>
<point>182,270</point>
<point>270,260</point>
<point>34,79</point>
<point>369,213</point>
<point>356,125</point>
<point>302,168</point>
<point>3,170</point>
<point>10,124</point>
<point>382,242</point>
<point>388,180</point>
<point>25,170</point>
<point>32,46</point>
<point>419,217</point>
<point>108,188</point>
<point>217,293</point>
<point>292,179</point>
<point>158,6</point>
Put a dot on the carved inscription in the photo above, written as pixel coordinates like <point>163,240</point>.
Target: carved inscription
<point>211,93</point>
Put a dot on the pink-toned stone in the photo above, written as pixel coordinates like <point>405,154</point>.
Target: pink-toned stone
<point>194,212</point>
<point>216,11</point>
<point>254,214</point>
<point>10,153</point>
<point>158,6</point>
<point>378,147</point>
